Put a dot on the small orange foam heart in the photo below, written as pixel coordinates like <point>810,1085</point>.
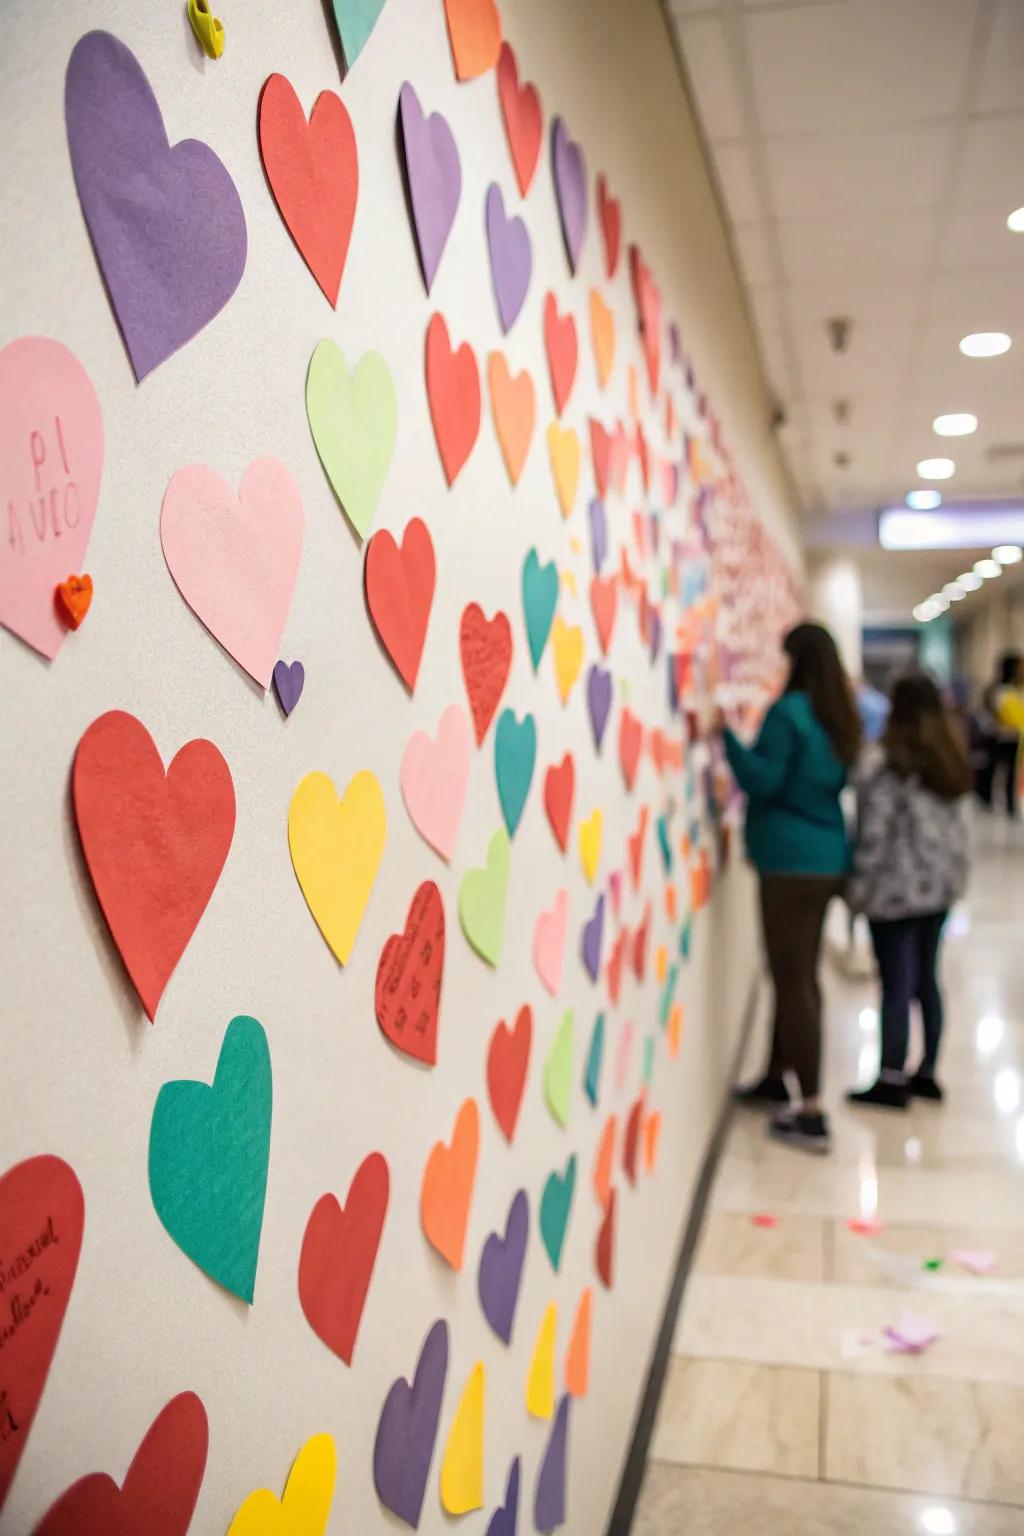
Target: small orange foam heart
<point>73,599</point>
<point>577,1356</point>
<point>602,333</point>
<point>512,406</point>
<point>447,1188</point>
<point>605,1160</point>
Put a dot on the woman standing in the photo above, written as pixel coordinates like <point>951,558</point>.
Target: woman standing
<point>796,838</point>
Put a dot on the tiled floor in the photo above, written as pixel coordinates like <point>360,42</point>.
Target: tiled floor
<point>783,1411</point>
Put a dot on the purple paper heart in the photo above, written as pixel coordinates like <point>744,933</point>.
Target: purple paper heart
<point>549,1499</point>
<point>598,533</point>
<point>656,633</point>
<point>593,933</point>
<point>599,700</point>
<point>501,1268</point>
<point>407,1430</point>
<point>289,680</point>
<point>570,188</point>
<point>166,223</point>
<point>434,175</point>
<point>675,342</point>
<point>503,1521</point>
<point>508,241</point>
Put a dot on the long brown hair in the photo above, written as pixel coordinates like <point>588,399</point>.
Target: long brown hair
<point>815,669</point>
<point>921,740</point>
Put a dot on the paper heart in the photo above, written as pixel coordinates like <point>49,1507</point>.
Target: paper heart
<point>209,1146</point>
<point>305,1506</point>
<point>521,111</point>
<point>540,1381</point>
<point>447,1188</point>
<point>512,406</point>
<point>672,902</point>
<point>504,1521</point>
<point>668,995</point>
<point>434,778</point>
<point>595,1055</point>
<point>625,1051</point>
<point>564,453</point>
<point>434,178</point>
<point>74,599</point>
<point>407,1430</point>
<point>42,1212</point>
<point>570,178</point>
<point>549,942</point>
<point>462,1466</point>
<point>613,970</point>
<point>485,648</point>
<point>604,597</point>
<point>577,1356</point>
<point>609,211</point>
<point>508,1057</point>
<point>593,933</point>
<point>652,1137</point>
<point>453,392</point>
<point>482,897</point>
<point>399,586</point>
<point>563,351</point>
<point>51,459</point>
<point>604,1162</point>
<point>313,171</point>
<point>639,956</point>
<point>508,243</point>
<point>407,995</point>
<point>599,701</point>
<point>631,737</point>
<point>540,599</point>
<point>558,1070</point>
<point>339,1250</point>
<point>635,846</point>
<point>155,842</point>
<point>336,848</point>
<point>501,1268</point>
<point>289,680</point>
<point>631,1142</point>
<point>602,333</point>
<point>643,454</point>
<point>474,30</point>
<point>604,1257</point>
<point>664,843</point>
<point>549,1494</point>
<point>555,1206</point>
<point>515,753</point>
<point>615,890</point>
<point>598,532</point>
<point>567,645</point>
<point>591,835</point>
<point>235,557</point>
<point>660,962</point>
<point>600,454</point>
<point>356,19</point>
<point>559,789</point>
<point>647,295</point>
<point>354,421</point>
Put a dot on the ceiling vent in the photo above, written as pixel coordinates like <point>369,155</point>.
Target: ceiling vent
<point>1001,453</point>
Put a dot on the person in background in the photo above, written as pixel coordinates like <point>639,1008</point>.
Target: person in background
<point>796,838</point>
<point>909,867</point>
<point>873,708</point>
<point>1004,708</point>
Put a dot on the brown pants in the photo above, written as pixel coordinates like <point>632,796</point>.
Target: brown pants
<point>793,915</point>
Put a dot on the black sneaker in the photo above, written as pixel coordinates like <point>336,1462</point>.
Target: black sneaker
<point>885,1095</point>
<point>766,1091</point>
<point>809,1132</point>
<point>923,1086</point>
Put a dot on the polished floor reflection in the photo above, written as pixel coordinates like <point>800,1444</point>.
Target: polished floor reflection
<point>783,1410</point>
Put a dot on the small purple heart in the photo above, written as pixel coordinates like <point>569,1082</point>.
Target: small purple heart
<point>501,1268</point>
<point>570,188</point>
<point>289,681</point>
<point>549,1499</point>
<point>598,533</point>
<point>675,342</point>
<point>656,633</point>
<point>511,258</point>
<point>407,1430</point>
<point>599,701</point>
<point>434,176</point>
<point>593,933</point>
<point>503,1521</point>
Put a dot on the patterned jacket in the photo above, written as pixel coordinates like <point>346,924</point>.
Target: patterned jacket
<point>910,857</point>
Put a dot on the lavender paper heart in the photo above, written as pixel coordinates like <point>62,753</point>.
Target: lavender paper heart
<point>166,223</point>
<point>501,1268</point>
<point>503,1521</point>
<point>407,1430</point>
<point>598,533</point>
<point>434,176</point>
<point>549,1498</point>
<point>508,242</point>
<point>289,681</point>
<point>655,636</point>
<point>675,342</point>
<point>593,933</point>
<point>599,701</point>
<point>570,188</point>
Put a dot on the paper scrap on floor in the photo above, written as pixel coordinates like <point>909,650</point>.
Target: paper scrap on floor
<point>977,1260</point>
<point>911,1335</point>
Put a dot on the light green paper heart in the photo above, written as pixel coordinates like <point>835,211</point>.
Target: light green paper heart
<point>558,1070</point>
<point>648,1072</point>
<point>482,900</point>
<point>354,420</point>
<point>555,1205</point>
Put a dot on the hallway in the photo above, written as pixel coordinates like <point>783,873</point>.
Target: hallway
<point>783,1410</point>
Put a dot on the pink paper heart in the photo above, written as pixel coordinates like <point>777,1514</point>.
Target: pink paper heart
<point>434,777</point>
<point>235,557</point>
<point>615,890</point>
<point>549,942</point>
<point>51,458</point>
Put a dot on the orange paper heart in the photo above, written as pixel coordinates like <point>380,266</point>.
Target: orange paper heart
<point>652,1137</point>
<point>577,1356</point>
<point>73,599</point>
<point>474,29</point>
<point>512,406</point>
<point>605,1160</point>
<point>675,1030</point>
<point>447,1187</point>
<point>602,333</point>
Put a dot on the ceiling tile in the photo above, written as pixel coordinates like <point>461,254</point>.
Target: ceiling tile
<point>736,178</point>
<point>897,170</point>
<point>1000,86</point>
<point>990,166</point>
<point>712,77</point>
<point>883,249</point>
<point>977,240</point>
<point>755,257</point>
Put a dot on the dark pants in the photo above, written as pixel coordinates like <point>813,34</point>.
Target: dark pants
<point>1001,760</point>
<point>793,915</point>
<point>908,952</point>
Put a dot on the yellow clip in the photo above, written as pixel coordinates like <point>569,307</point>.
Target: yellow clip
<point>208,30</point>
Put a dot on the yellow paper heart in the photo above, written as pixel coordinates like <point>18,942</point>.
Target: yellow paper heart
<point>462,1470</point>
<point>590,844</point>
<point>567,645</point>
<point>661,962</point>
<point>305,1506</point>
<point>564,452</point>
<point>336,847</point>
<point>540,1383</point>
<point>602,331</point>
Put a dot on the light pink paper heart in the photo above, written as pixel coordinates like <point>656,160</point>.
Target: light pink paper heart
<point>51,458</point>
<point>623,1056</point>
<point>434,778</point>
<point>615,890</point>
<point>549,942</point>
<point>235,557</point>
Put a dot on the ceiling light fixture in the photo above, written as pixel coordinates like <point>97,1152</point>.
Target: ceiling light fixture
<point>1016,221</point>
<point>954,591</point>
<point>987,568</point>
<point>955,424</point>
<point>969,581</point>
<point>924,501</point>
<point>1008,554</point>
<point>936,469</point>
<point>939,601</point>
<point>985,344</point>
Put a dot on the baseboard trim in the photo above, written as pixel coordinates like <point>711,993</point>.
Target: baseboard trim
<point>643,1427</point>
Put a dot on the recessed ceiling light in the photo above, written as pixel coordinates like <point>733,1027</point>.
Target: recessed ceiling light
<point>985,344</point>
<point>924,501</point>
<point>954,591</point>
<point>987,568</point>
<point>969,581</point>
<point>1016,221</point>
<point>955,424</point>
<point>936,469</point>
<point>924,613</point>
<point>1008,554</point>
<point>939,601</point>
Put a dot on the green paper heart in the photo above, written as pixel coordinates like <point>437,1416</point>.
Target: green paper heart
<point>353,418</point>
<point>555,1205</point>
<point>482,900</point>
<point>208,1151</point>
<point>594,1056</point>
<point>558,1070</point>
<point>515,753</point>
<point>540,599</point>
<point>668,994</point>
<point>356,20</point>
<point>648,1072</point>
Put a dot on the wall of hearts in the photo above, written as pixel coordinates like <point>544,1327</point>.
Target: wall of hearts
<point>387,493</point>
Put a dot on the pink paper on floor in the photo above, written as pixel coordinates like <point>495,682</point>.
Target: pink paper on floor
<point>977,1260</point>
<point>910,1335</point>
<point>764,1219</point>
<point>865,1226</point>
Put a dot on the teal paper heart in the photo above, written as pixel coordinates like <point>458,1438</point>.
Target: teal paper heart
<point>664,844</point>
<point>668,994</point>
<point>684,939</point>
<point>555,1205</point>
<point>593,1078</point>
<point>208,1151</point>
<point>356,20</point>
<point>515,753</point>
<point>540,599</point>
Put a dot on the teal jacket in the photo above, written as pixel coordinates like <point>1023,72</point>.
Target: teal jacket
<point>792,780</point>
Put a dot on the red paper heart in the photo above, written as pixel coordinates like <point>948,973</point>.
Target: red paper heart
<point>339,1250</point>
<point>313,172</point>
<point>74,597</point>
<point>631,1143</point>
<point>559,788</point>
<point>604,597</point>
<point>453,390</point>
<point>600,455</point>
<point>155,842</point>
<point>659,749</point>
<point>618,462</point>
<point>408,991</point>
<point>520,107</point>
<point>636,847</point>
<point>41,1217</point>
<point>631,738</point>
<point>160,1489</point>
<point>614,967</point>
<point>609,211</point>
<point>399,586</point>
<point>508,1057</point>
<point>563,351</point>
<point>606,1244</point>
<point>643,453</point>
<point>648,304</point>
<point>485,646</point>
